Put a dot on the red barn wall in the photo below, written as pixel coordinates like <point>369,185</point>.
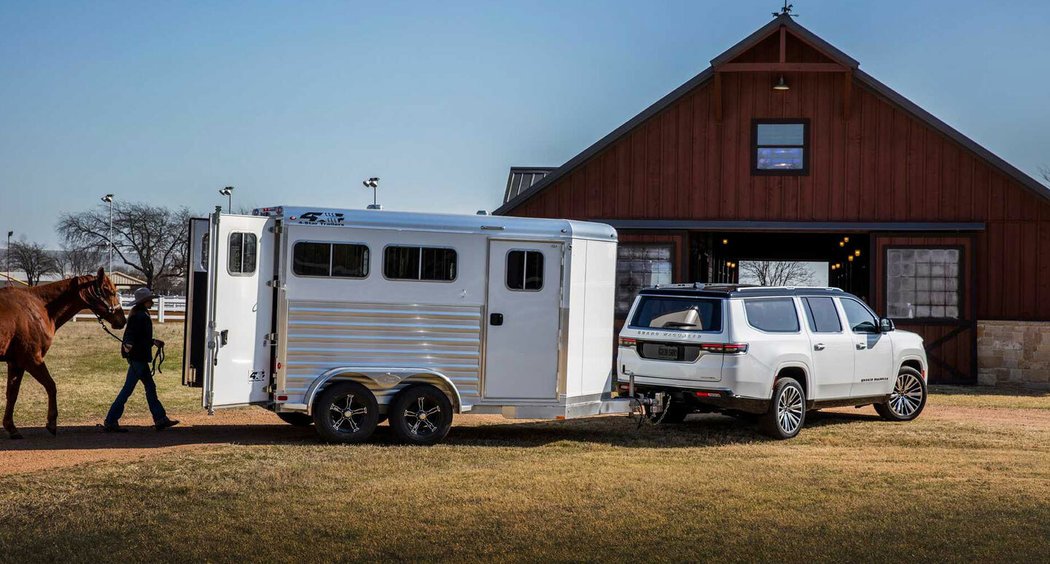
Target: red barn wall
<point>881,165</point>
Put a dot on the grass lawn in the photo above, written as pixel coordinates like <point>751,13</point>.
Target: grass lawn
<point>969,480</point>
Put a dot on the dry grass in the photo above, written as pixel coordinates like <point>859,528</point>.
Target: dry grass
<point>969,480</point>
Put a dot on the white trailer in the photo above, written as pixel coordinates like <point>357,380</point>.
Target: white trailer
<point>341,318</point>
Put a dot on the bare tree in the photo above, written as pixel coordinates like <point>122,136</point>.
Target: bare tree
<point>776,272</point>
<point>32,259</point>
<point>76,260</point>
<point>150,240</point>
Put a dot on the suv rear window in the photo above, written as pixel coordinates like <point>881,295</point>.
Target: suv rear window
<point>776,315</point>
<point>678,314</point>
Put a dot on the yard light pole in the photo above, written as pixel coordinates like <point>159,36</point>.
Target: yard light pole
<point>228,192</point>
<point>7,254</point>
<point>108,198</point>
<point>373,183</point>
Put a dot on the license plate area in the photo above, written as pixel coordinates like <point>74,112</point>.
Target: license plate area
<point>670,352</point>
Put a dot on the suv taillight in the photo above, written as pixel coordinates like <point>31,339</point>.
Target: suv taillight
<point>628,342</point>
<point>724,348</point>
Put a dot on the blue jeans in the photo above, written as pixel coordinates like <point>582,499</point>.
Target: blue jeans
<point>137,371</point>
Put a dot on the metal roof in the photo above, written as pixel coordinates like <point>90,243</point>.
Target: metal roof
<point>834,53</point>
<point>522,178</point>
<point>497,226</point>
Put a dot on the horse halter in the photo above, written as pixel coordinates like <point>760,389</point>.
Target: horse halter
<point>94,294</point>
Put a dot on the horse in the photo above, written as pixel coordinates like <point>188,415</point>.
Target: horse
<point>29,318</point>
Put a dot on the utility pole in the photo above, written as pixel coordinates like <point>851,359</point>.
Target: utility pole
<point>108,198</point>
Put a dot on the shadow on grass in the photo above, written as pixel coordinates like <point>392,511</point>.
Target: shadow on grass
<point>696,431</point>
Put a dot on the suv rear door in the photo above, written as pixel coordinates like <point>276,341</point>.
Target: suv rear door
<point>677,338</point>
<point>832,348</point>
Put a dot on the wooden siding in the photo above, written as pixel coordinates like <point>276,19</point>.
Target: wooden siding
<point>881,165</point>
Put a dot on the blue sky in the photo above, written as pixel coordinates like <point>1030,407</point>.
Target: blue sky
<point>297,102</point>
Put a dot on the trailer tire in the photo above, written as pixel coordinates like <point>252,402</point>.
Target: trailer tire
<point>421,415</point>
<point>296,419</point>
<point>346,412</point>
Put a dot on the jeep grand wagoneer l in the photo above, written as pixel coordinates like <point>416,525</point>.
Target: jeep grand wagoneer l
<point>769,353</point>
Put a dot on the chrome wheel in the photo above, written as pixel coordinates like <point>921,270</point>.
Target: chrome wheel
<point>347,415</point>
<point>423,417</point>
<point>790,408</point>
<point>907,395</point>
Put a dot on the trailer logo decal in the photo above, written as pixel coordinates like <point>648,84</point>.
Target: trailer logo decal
<point>322,218</point>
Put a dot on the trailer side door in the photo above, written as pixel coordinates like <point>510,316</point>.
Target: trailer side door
<point>240,308</point>
<point>524,305</point>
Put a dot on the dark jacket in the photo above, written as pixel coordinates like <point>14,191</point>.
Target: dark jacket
<point>139,335</point>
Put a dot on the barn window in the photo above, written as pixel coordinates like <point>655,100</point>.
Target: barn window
<point>637,267</point>
<point>780,146</point>
<point>243,250</point>
<point>337,260</point>
<point>525,270</point>
<point>419,263</point>
<point>922,283</point>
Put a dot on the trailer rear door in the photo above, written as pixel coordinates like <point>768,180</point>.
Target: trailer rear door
<point>240,308</point>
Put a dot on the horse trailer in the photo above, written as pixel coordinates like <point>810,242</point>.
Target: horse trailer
<point>343,318</point>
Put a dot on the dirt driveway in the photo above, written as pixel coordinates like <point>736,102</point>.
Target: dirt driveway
<point>84,443</point>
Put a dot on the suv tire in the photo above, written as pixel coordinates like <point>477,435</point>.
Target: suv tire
<point>346,412</point>
<point>787,410</point>
<point>907,399</point>
<point>421,415</point>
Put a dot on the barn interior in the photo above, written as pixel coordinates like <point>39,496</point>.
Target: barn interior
<point>724,256</point>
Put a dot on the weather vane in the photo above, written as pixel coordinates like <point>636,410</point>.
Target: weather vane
<point>785,11</point>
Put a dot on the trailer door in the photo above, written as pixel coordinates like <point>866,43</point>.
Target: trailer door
<point>524,305</point>
<point>240,306</point>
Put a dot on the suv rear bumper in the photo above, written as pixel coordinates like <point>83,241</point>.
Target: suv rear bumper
<point>709,399</point>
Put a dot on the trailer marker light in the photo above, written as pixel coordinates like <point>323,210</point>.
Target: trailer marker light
<point>282,398</point>
<point>279,365</point>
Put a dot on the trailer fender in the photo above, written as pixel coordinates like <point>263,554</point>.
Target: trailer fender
<point>383,378</point>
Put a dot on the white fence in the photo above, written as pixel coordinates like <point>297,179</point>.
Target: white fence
<point>165,309</point>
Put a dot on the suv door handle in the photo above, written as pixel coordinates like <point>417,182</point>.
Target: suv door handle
<point>818,347</point>
<point>861,346</point>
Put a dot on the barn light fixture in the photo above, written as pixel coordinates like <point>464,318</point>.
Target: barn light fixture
<point>846,239</point>
<point>850,258</point>
<point>781,84</point>
<point>373,183</point>
<point>725,241</point>
<point>857,252</point>
<point>842,243</point>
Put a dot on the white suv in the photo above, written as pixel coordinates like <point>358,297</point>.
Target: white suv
<point>769,353</point>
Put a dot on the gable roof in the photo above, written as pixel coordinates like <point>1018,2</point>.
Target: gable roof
<point>827,49</point>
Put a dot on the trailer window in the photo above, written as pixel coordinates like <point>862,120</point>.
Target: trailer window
<point>419,263</point>
<point>337,260</point>
<point>525,270</point>
<point>678,314</point>
<point>243,250</point>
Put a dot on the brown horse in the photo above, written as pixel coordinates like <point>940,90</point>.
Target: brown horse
<point>29,318</point>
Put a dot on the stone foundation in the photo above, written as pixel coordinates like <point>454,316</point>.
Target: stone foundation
<point>1013,353</point>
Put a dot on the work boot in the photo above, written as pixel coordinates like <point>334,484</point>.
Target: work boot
<point>166,423</point>
<point>113,429</point>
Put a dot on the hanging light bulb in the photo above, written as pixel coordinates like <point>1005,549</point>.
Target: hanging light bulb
<point>781,84</point>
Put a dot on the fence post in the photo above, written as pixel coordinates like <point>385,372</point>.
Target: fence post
<point>160,309</point>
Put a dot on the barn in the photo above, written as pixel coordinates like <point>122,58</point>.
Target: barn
<point>784,150</point>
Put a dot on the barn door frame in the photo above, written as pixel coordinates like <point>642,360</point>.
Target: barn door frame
<point>966,243</point>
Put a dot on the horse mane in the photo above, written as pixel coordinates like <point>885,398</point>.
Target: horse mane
<point>59,296</point>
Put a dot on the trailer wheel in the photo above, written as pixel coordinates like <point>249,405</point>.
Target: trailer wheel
<point>296,419</point>
<point>421,415</point>
<point>346,412</point>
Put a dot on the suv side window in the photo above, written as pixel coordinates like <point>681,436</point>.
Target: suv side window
<point>822,315</point>
<point>860,318</point>
<point>775,315</point>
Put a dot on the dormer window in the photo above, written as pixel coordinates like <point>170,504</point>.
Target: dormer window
<point>780,146</point>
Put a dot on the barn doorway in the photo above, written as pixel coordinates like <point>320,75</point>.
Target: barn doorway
<point>840,260</point>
